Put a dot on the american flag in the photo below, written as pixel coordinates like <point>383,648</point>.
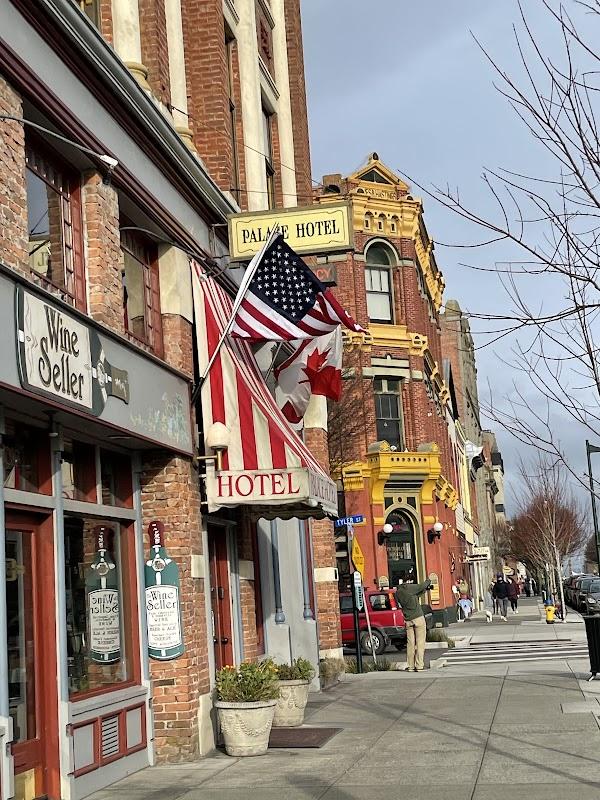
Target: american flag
<point>286,301</point>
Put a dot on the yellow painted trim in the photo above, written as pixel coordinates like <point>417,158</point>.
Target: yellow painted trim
<point>398,336</point>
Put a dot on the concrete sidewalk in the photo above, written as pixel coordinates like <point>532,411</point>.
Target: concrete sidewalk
<point>525,729</point>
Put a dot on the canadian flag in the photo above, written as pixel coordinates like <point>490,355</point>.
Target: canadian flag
<point>314,368</point>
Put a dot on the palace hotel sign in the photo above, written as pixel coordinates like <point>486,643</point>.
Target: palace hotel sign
<point>309,230</point>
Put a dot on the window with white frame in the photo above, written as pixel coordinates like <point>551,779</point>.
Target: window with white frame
<point>378,282</point>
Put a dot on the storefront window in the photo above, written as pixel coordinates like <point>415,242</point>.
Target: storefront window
<point>26,458</point>
<point>100,584</point>
<point>79,471</point>
<point>116,479</point>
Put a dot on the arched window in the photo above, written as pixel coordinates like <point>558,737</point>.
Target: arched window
<point>381,222</point>
<point>378,279</point>
<point>402,562</point>
<point>368,221</point>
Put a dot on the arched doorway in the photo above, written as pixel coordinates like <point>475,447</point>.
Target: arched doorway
<point>400,544</point>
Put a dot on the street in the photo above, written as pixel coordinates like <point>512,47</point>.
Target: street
<point>476,729</point>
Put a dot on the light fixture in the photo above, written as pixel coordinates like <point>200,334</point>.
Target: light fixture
<point>435,532</point>
<point>385,534</point>
<point>217,440</point>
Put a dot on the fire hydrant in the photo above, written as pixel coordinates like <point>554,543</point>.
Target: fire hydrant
<point>550,612</point>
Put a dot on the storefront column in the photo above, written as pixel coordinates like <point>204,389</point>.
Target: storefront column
<point>56,447</point>
<point>177,74</point>
<point>279,615</point>
<point>141,579</point>
<point>302,531</point>
<point>6,772</point>
<point>126,38</point>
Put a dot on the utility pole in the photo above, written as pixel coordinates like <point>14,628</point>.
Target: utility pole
<point>590,448</point>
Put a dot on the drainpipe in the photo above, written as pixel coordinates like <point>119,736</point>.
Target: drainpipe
<point>308,612</point>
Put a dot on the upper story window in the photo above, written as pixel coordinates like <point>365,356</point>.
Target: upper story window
<point>388,412</point>
<point>267,120</point>
<point>264,34</point>
<point>378,280</point>
<point>54,226</point>
<point>141,292</point>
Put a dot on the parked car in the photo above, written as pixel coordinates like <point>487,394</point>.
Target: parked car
<point>590,599</point>
<point>569,587</point>
<point>386,618</point>
<point>582,585</point>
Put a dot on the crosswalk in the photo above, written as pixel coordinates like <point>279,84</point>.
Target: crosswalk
<point>511,652</point>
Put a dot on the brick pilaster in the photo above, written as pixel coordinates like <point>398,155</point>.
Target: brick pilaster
<point>155,50</point>
<point>13,195</point>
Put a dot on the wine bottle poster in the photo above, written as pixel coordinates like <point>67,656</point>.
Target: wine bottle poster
<point>103,607</point>
<point>163,606</point>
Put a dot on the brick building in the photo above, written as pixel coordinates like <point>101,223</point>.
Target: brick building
<point>390,441</point>
<point>129,131</point>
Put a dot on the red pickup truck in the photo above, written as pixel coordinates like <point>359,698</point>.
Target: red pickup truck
<point>385,616</point>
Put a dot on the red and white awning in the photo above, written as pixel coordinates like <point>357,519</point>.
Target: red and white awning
<point>266,463</point>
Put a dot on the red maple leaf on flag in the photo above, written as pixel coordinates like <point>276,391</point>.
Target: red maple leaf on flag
<point>324,380</point>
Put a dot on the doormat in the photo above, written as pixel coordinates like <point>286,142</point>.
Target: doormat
<point>301,737</point>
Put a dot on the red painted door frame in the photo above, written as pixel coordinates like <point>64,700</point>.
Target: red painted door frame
<point>42,752</point>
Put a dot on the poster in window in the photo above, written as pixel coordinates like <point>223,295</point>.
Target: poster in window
<point>102,601</point>
<point>163,607</point>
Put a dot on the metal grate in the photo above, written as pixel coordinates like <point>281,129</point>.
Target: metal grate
<point>110,737</point>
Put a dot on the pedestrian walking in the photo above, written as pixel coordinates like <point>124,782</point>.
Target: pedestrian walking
<point>489,604</point>
<point>465,602</point>
<point>513,595</point>
<point>407,595</point>
<point>500,592</point>
<point>527,586</point>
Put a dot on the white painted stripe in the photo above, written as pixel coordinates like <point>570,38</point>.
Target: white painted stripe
<point>261,435</point>
<point>291,457</point>
<point>232,413</point>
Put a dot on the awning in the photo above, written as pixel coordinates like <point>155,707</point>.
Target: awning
<point>266,464</point>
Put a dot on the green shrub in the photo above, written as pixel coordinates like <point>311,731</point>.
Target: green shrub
<point>382,665</point>
<point>438,635</point>
<point>331,668</point>
<point>299,670</point>
<point>352,666</point>
<point>250,682</point>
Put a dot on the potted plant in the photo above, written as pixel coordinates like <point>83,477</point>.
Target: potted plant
<point>294,683</point>
<point>246,699</point>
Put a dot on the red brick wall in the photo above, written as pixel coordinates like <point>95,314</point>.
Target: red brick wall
<point>13,197</point>
<point>170,493</point>
<point>177,343</point>
<point>206,73</point>
<point>104,257</point>
<point>106,21</point>
<point>295,52</point>
<point>155,51</point>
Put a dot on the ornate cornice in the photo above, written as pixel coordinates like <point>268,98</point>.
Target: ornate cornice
<point>398,336</point>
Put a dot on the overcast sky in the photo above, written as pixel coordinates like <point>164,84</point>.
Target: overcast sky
<point>409,81</point>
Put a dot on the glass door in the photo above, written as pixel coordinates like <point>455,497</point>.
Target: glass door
<point>23,658</point>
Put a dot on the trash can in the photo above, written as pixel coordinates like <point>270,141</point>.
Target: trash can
<point>592,631</point>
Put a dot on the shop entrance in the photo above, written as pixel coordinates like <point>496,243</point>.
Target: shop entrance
<point>400,545</point>
<point>31,650</point>
<point>220,596</point>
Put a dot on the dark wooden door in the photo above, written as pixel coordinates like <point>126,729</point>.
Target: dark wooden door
<point>220,596</point>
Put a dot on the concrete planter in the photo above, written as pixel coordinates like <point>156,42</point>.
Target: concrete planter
<point>289,711</point>
<point>246,726</point>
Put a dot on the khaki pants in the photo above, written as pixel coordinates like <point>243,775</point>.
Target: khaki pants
<point>416,632</point>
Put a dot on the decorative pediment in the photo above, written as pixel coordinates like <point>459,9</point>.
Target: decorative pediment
<point>376,172</point>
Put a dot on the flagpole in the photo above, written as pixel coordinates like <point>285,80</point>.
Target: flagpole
<point>248,275</point>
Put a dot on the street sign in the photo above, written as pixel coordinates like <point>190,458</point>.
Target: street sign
<point>354,520</point>
<point>359,595</point>
<point>358,558</point>
<point>357,578</point>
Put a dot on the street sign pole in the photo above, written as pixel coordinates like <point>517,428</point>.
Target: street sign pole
<point>359,661</point>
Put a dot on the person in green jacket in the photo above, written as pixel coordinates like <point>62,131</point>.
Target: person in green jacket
<point>407,595</point>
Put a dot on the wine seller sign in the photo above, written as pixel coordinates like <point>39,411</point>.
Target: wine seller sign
<point>163,609</point>
<point>63,358</point>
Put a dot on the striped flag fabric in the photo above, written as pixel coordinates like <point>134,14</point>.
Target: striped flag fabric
<point>286,301</point>
<point>315,367</point>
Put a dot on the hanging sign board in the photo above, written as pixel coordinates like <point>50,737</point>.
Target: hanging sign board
<point>102,593</point>
<point>309,229</point>
<point>163,604</point>
<point>62,358</point>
